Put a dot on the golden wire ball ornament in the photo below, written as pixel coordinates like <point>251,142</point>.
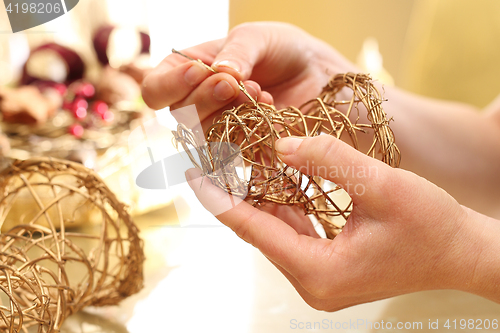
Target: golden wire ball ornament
<point>49,269</point>
<point>349,108</point>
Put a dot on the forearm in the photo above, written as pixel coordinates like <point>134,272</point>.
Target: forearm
<point>451,144</point>
<point>482,259</point>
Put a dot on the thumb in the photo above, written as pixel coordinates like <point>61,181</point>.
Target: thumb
<point>276,239</point>
<point>332,159</point>
<point>244,47</point>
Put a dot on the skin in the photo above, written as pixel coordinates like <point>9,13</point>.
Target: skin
<point>405,234</point>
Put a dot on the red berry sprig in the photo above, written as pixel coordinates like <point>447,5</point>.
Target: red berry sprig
<point>79,102</point>
<point>76,130</point>
<point>83,89</point>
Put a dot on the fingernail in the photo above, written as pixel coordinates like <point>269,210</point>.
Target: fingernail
<point>288,145</point>
<point>251,91</point>
<point>227,63</point>
<point>195,74</point>
<point>223,91</point>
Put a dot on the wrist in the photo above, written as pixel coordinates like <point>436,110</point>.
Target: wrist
<point>481,261</point>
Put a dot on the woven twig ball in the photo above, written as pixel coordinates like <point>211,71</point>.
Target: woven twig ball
<point>253,128</point>
<point>50,269</point>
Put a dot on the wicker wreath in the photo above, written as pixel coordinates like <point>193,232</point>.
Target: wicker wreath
<point>50,268</point>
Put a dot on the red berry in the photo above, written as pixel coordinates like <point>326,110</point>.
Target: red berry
<point>108,116</point>
<point>87,90</point>
<point>99,107</point>
<point>80,113</point>
<point>80,103</point>
<point>79,108</point>
<point>76,130</point>
<point>61,88</point>
<point>83,89</point>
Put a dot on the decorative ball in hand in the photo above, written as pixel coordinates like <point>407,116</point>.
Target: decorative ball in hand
<point>349,108</point>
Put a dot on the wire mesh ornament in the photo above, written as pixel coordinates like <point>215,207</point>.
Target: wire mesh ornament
<point>50,269</point>
<point>262,177</point>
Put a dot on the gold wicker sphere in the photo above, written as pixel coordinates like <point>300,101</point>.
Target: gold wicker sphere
<point>67,243</point>
<point>349,108</point>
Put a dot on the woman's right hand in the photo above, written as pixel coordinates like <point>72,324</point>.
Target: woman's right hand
<point>278,63</point>
<point>404,234</point>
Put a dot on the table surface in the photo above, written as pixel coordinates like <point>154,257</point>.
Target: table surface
<point>205,279</point>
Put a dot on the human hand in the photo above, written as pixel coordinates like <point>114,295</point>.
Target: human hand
<point>404,233</point>
<point>272,59</point>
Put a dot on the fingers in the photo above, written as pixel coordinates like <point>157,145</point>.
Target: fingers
<point>172,80</point>
<point>268,52</point>
<point>216,94</point>
<point>178,82</point>
<point>165,86</point>
<point>253,89</point>
<point>293,216</point>
<point>176,78</point>
<point>206,52</point>
<point>191,83</point>
<point>243,48</point>
<point>212,94</point>
<point>266,97</point>
<point>276,239</point>
<point>332,159</point>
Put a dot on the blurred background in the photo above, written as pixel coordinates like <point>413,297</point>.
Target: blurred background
<point>445,49</point>
<point>206,279</point>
